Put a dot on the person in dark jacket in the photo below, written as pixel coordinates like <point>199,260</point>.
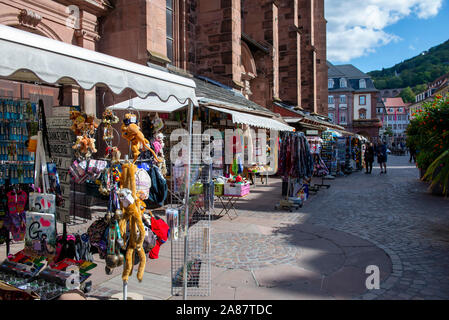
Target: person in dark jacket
<point>412,151</point>
<point>382,157</point>
<point>369,158</point>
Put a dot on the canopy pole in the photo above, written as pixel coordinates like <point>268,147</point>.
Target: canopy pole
<point>186,198</point>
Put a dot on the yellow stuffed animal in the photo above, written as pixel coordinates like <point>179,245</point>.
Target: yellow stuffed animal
<point>132,133</point>
<point>133,215</point>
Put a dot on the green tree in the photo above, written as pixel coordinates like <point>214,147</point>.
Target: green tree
<point>419,88</point>
<point>388,132</point>
<point>418,70</point>
<point>407,95</point>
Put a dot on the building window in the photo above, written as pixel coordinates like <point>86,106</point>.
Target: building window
<point>330,100</point>
<point>343,118</point>
<point>330,83</point>
<point>362,113</point>
<point>343,83</point>
<point>391,110</point>
<point>400,109</point>
<point>362,100</point>
<point>362,84</point>
<point>169,29</point>
<point>342,99</point>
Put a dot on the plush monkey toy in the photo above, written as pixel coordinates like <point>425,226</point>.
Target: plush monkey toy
<point>132,133</point>
<point>131,213</point>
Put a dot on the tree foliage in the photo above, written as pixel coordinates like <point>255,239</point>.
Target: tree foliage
<point>407,95</point>
<point>416,71</point>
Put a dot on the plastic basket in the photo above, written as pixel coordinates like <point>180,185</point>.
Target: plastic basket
<point>219,189</point>
<point>196,189</point>
<point>236,189</point>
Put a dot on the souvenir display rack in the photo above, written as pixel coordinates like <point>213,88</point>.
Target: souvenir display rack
<point>196,256</point>
<point>328,152</point>
<point>296,168</point>
<point>18,121</point>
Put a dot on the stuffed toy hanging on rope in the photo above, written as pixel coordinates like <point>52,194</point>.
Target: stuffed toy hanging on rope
<point>84,126</point>
<point>132,213</point>
<point>132,133</point>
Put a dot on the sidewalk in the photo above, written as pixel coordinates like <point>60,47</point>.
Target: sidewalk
<point>263,254</point>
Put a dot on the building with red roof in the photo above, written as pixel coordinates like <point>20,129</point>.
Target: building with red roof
<point>396,117</point>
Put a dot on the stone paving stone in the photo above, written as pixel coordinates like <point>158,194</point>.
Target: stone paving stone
<point>284,275</point>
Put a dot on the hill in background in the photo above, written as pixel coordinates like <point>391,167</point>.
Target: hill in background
<point>415,72</point>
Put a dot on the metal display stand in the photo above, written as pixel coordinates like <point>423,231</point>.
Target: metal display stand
<point>190,253</point>
<point>228,206</point>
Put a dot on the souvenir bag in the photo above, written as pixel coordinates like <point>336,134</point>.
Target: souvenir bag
<point>78,171</point>
<point>16,213</point>
<point>157,122</point>
<point>97,236</point>
<point>41,202</point>
<point>40,237</point>
<point>54,183</point>
<point>143,184</point>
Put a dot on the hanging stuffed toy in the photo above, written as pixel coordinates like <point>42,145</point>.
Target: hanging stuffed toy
<point>132,214</point>
<point>159,149</point>
<point>157,122</point>
<point>132,133</point>
<point>109,118</point>
<point>84,126</point>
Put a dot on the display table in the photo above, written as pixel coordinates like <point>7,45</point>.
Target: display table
<point>228,203</point>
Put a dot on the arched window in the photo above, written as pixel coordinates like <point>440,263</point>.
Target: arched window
<point>343,83</point>
<point>330,83</point>
<point>362,113</point>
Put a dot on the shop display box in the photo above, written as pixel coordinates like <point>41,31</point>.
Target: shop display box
<point>219,189</point>
<point>236,189</point>
<point>196,189</point>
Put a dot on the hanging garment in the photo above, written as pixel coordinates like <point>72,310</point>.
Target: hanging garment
<point>159,188</point>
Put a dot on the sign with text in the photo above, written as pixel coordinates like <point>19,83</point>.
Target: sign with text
<point>61,139</point>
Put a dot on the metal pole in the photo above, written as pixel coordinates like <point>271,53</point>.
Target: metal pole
<point>186,198</point>
<point>125,290</point>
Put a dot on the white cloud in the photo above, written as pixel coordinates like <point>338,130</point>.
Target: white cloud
<point>356,28</point>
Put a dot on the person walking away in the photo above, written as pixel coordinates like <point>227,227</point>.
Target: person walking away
<point>369,158</point>
<point>382,157</point>
<point>412,154</point>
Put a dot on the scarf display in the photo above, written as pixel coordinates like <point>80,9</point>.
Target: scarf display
<point>295,159</point>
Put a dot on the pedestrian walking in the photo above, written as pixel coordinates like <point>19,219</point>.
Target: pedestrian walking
<point>412,154</point>
<point>369,158</point>
<point>382,157</point>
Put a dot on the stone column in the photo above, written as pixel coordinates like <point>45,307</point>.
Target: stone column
<point>86,37</point>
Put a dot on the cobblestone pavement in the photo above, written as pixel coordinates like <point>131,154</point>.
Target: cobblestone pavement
<point>394,213</point>
<point>397,213</point>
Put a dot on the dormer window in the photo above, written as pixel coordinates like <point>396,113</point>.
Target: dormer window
<point>343,83</point>
<point>362,84</point>
<point>330,83</point>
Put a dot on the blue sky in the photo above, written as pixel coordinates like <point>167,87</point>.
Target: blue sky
<point>372,34</point>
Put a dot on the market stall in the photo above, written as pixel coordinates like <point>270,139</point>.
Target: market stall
<point>296,169</point>
<point>54,264</point>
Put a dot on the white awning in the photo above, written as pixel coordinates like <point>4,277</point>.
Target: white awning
<point>150,104</point>
<point>292,120</point>
<point>253,120</point>
<point>30,57</point>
